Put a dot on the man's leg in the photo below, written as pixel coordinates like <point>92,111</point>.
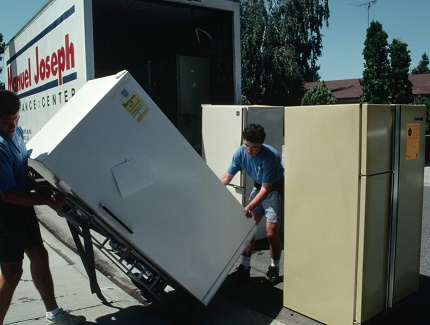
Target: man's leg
<point>10,274</point>
<point>272,230</point>
<point>249,249</point>
<point>41,274</point>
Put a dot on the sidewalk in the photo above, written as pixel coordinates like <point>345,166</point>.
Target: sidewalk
<point>73,293</point>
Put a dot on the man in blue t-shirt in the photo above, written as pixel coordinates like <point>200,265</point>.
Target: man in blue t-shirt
<point>263,164</point>
<point>19,228</point>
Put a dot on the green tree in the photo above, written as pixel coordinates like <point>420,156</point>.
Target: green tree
<point>2,45</point>
<point>376,75</point>
<point>280,42</point>
<point>319,95</point>
<point>253,21</point>
<point>421,100</point>
<point>400,85</point>
<point>423,65</point>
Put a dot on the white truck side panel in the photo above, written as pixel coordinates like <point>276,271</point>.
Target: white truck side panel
<point>48,60</point>
<point>53,55</point>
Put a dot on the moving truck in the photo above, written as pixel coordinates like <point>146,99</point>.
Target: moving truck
<point>182,52</point>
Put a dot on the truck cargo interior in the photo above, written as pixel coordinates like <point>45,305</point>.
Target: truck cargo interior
<point>181,55</point>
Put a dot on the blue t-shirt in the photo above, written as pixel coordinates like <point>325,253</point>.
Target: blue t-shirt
<point>265,167</point>
<point>13,162</point>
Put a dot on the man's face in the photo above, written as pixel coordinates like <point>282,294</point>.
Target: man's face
<point>252,149</point>
<point>8,124</point>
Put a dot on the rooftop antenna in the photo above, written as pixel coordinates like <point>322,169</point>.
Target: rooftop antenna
<point>368,4</point>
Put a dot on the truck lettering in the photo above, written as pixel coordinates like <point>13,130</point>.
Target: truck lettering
<point>49,100</point>
<point>56,63</point>
<point>21,81</point>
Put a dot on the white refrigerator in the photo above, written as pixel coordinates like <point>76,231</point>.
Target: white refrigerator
<point>222,127</point>
<point>114,150</point>
<point>353,209</point>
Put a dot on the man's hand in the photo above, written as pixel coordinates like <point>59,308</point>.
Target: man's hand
<point>57,202</point>
<point>248,213</point>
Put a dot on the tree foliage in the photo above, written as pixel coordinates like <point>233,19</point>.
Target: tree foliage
<point>421,100</point>
<point>423,65</point>
<point>400,86</point>
<point>386,69</point>
<point>2,45</point>
<point>376,74</point>
<point>319,95</point>
<point>281,41</point>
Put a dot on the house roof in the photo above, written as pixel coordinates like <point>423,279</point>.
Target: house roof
<point>420,84</point>
<point>350,88</point>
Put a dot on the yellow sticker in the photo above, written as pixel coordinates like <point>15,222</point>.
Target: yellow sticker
<point>412,141</point>
<point>137,108</point>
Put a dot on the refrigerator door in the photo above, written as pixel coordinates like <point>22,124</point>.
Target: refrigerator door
<point>411,162</point>
<point>222,135</point>
<point>322,167</point>
<point>193,89</point>
<point>377,139</point>
<point>112,147</point>
<point>375,208</point>
<point>372,266</point>
<point>272,119</point>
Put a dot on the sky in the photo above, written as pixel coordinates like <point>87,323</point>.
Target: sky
<point>343,40</point>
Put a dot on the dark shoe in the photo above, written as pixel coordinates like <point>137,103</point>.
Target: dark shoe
<point>241,274</point>
<point>272,274</point>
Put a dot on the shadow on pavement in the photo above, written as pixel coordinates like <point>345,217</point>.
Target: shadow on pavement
<point>123,317</point>
<point>414,310</point>
<point>256,294</point>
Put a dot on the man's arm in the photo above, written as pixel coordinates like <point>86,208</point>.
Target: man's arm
<point>226,178</point>
<point>265,190</point>
<point>24,198</point>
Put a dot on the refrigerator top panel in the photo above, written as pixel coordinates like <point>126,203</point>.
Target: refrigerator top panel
<point>112,148</point>
<point>377,123</point>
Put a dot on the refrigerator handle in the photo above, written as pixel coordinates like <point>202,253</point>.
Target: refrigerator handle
<point>116,218</point>
<point>236,187</point>
<point>394,207</point>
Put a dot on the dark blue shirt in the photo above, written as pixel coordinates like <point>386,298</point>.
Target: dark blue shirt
<point>13,162</point>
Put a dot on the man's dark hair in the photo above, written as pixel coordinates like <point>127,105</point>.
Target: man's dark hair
<point>254,133</point>
<point>9,103</point>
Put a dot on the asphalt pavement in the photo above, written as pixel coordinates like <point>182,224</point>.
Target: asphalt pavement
<point>253,303</point>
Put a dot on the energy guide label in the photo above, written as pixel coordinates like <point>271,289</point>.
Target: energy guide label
<point>136,107</point>
<point>412,141</point>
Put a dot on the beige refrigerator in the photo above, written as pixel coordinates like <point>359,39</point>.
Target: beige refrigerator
<point>353,209</point>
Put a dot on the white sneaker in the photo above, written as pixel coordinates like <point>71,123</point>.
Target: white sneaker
<point>63,317</point>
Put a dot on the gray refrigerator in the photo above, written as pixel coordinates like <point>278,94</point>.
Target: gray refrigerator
<point>353,209</point>
<point>112,149</point>
<point>222,127</point>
